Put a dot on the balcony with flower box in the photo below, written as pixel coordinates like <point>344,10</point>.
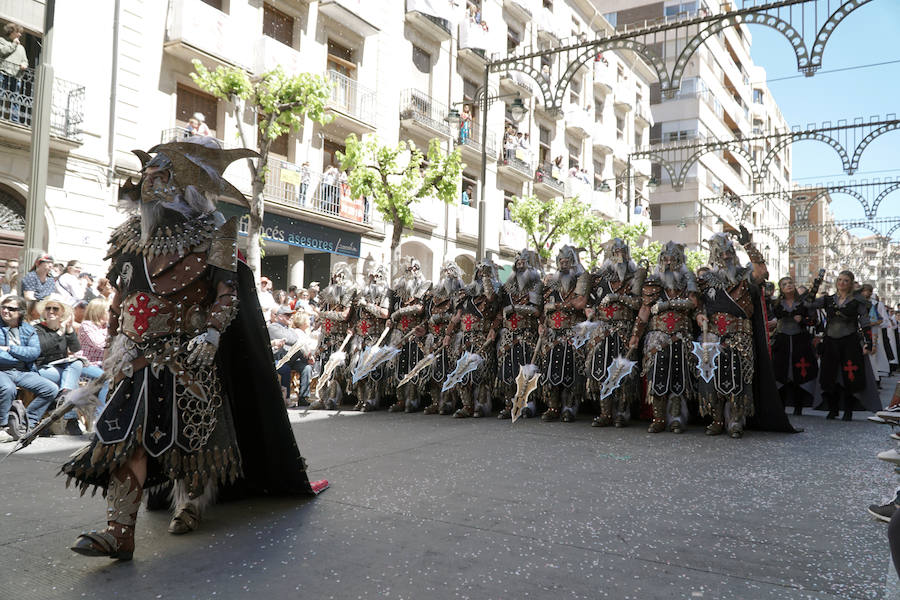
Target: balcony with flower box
<point>221,38</point>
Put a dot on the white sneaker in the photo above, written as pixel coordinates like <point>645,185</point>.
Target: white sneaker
<point>890,456</point>
<point>888,415</point>
<point>5,437</point>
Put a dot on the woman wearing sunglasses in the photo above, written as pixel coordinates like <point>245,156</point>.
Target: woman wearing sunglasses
<point>58,342</point>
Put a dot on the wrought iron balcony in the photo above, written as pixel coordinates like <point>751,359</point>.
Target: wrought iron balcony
<point>351,98</point>
<point>419,108</point>
<point>17,102</point>
<point>549,175</point>
<point>472,139</point>
<point>518,161</point>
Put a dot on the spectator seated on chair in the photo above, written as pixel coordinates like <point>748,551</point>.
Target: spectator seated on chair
<point>58,343</point>
<point>19,348</point>
<point>283,337</point>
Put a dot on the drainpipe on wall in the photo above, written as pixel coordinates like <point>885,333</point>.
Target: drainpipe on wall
<point>113,95</point>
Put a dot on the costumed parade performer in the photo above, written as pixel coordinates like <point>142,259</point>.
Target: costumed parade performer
<point>441,309</point>
<point>793,357</point>
<point>562,380</point>
<point>477,308</point>
<point>195,402</point>
<point>522,303</point>
<point>842,371</point>
<point>372,311</point>
<point>411,290</point>
<point>614,296</point>
<point>336,318</point>
<point>669,303</point>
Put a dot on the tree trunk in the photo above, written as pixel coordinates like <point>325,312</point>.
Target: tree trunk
<point>395,247</point>
<point>257,211</point>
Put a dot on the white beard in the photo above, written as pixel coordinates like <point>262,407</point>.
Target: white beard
<point>567,281</point>
<point>673,280</point>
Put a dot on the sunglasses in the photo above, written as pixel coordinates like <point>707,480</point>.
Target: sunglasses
<point>10,308</point>
<point>54,309</point>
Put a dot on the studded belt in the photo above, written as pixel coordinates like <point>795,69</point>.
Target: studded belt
<point>726,324</point>
<point>671,322</point>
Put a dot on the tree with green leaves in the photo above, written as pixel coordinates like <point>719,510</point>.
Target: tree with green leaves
<point>633,235</point>
<point>545,221</point>
<point>587,232</point>
<point>695,259</point>
<point>280,103</point>
<point>398,176</point>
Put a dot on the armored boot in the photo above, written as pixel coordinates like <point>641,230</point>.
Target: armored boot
<point>189,507</point>
<point>621,418</point>
<point>433,408</point>
<point>553,406</point>
<point>468,406</point>
<point>482,409</point>
<point>606,417</point>
<point>447,402</point>
<point>717,411</point>
<point>506,412</point>
<point>570,407</point>
<point>658,423</point>
<point>123,497</point>
<point>675,425</point>
<point>400,404</point>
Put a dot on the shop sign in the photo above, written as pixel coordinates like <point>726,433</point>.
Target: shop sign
<point>294,232</point>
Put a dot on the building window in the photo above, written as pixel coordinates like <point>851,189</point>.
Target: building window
<point>574,156</point>
<point>598,109</point>
<point>421,60</point>
<point>189,101</point>
<point>598,173</point>
<point>620,127</point>
<point>513,38</point>
<point>469,90</point>
<point>278,25</point>
<point>757,96</point>
<point>544,144</point>
<point>217,4</point>
<point>468,189</point>
<point>575,90</point>
<point>340,59</point>
<point>329,154</point>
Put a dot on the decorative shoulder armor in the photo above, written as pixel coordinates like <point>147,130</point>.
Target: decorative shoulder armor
<point>223,246</point>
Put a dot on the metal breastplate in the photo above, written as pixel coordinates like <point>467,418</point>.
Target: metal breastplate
<point>788,326</point>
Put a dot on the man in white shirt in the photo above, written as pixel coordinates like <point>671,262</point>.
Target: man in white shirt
<point>266,301</point>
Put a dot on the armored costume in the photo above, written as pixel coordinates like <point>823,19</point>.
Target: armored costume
<point>189,360</point>
<point>669,303</point>
<point>370,319</point>
<point>522,302</point>
<point>562,378</point>
<point>613,293</point>
<point>336,320</point>
<point>410,289</point>
<point>441,308</point>
<point>475,320</point>
<point>728,307</point>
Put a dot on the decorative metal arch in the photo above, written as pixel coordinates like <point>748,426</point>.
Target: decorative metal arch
<point>806,135</point>
<point>803,214</point>
<point>791,18</point>
<point>878,199</point>
<point>857,154</point>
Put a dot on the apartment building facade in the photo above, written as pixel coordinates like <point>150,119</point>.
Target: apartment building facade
<point>723,95</point>
<point>397,69</point>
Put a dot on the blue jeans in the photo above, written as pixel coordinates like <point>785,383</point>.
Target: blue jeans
<point>65,377</point>
<point>305,370</point>
<point>93,372</point>
<point>44,392</point>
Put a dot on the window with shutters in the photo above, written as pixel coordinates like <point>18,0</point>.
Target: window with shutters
<point>189,101</point>
<point>278,25</point>
<point>544,144</point>
<point>421,60</point>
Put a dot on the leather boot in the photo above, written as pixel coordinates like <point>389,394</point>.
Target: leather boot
<point>717,427</point>
<point>659,414</point>
<point>606,417</point>
<point>468,408</point>
<point>506,413</point>
<point>123,497</point>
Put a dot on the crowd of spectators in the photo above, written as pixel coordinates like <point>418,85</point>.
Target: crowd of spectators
<point>52,336</point>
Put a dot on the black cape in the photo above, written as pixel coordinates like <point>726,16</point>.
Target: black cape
<point>270,459</point>
<point>768,412</point>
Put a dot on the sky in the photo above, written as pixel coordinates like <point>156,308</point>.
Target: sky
<point>868,35</point>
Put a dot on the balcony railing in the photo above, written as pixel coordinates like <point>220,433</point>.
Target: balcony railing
<point>551,175</point>
<point>518,159</point>
<point>351,98</point>
<point>471,138</point>
<point>422,108</point>
<point>295,186</point>
<point>17,102</point>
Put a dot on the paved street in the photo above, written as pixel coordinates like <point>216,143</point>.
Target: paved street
<point>434,507</point>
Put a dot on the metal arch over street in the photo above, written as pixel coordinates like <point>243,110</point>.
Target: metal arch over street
<point>848,139</point>
<point>797,20</point>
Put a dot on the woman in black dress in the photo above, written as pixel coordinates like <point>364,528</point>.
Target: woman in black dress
<point>842,373</point>
<point>793,357</point>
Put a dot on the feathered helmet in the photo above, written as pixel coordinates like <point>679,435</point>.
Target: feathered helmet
<point>197,163</point>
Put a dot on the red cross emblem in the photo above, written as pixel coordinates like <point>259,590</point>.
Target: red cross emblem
<point>670,321</point>
<point>558,318</point>
<point>142,311</point>
<point>404,323</point>
<point>468,322</point>
<point>364,327</point>
<point>802,365</point>
<point>437,329</point>
<point>328,324</point>
<point>514,321</point>
<point>722,324</point>
<point>850,369</point>
<point>610,311</point>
